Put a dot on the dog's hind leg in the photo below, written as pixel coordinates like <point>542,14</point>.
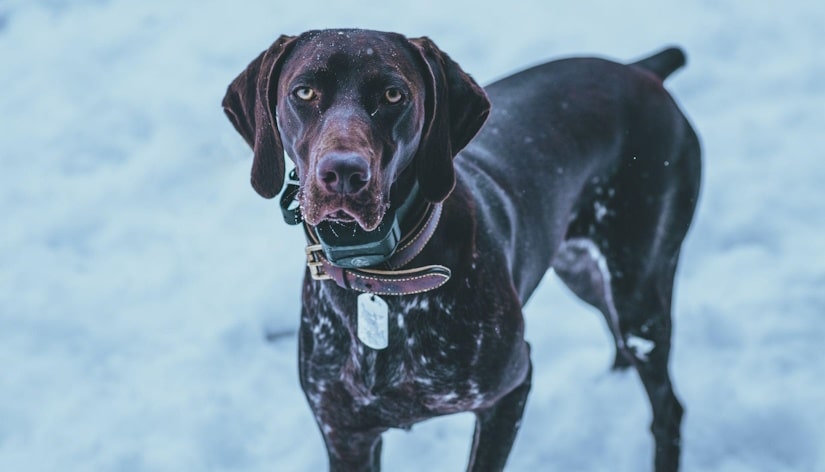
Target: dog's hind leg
<point>647,337</point>
<point>580,264</point>
<point>496,429</point>
<point>620,256</point>
<point>639,320</point>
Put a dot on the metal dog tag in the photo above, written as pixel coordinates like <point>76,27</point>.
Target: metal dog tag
<point>373,323</point>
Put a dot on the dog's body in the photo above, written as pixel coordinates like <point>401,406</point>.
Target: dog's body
<point>584,165</point>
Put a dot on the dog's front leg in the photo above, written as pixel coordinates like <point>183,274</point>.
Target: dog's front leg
<point>351,444</point>
<point>496,429</point>
<point>353,451</point>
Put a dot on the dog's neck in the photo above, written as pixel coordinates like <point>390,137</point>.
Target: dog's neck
<point>351,247</point>
<point>374,262</point>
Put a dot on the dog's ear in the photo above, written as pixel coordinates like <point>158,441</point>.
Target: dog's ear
<point>456,108</point>
<point>250,103</point>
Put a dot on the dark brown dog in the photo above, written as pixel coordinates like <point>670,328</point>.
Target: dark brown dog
<point>584,165</point>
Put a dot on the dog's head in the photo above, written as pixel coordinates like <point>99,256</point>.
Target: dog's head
<point>354,109</point>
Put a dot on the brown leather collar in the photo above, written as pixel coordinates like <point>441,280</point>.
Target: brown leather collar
<point>390,281</point>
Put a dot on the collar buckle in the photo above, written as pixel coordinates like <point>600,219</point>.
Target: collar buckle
<point>315,262</point>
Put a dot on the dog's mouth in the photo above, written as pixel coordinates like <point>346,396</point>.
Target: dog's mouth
<point>367,215</point>
<point>366,208</point>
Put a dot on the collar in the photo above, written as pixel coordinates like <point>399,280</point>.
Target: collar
<point>390,281</point>
<point>385,276</point>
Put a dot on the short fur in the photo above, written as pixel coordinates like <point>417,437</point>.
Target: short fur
<point>585,166</point>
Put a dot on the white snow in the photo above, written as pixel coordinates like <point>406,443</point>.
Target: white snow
<point>140,273</point>
<point>641,347</point>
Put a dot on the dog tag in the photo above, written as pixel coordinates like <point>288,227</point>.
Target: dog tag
<point>373,328</point>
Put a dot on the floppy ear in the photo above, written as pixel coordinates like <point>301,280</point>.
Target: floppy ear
<point>249,103</point>
<point>456,108</point>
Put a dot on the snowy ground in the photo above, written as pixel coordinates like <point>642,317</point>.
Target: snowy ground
<point>139,273</point>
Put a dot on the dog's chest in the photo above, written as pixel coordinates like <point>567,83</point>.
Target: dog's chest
<point>430,364</point>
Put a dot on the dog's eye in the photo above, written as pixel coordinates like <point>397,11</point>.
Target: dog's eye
<point>305,93</point>
<point>393,96</point>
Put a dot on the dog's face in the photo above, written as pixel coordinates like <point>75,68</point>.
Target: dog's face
<point>354,109</point>
<point>350,113</point>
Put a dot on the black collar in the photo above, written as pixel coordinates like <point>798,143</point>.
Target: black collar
<point>347,244</point>
<point>343,255</point>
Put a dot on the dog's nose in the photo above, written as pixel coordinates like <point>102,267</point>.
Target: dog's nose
<point>343,173</point>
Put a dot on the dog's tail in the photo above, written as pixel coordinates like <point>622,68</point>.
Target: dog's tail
<point>663,63</point>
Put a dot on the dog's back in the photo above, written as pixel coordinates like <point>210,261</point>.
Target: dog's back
<point>556,141</point>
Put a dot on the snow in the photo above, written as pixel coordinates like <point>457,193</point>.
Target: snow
<point>140,275</point>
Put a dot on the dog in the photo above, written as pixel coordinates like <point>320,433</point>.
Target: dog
<point>433,207</point>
